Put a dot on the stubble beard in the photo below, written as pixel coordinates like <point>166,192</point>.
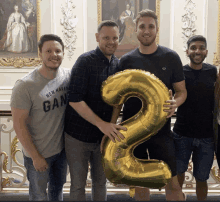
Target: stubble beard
<point>196,63</point>
<point>146,43</point>
<point>110,53</point>
<point>51,68</point>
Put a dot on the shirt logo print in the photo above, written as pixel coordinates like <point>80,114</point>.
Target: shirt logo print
<point>164,68</point>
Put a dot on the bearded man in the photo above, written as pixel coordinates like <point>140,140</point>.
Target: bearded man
<point>193,131</point>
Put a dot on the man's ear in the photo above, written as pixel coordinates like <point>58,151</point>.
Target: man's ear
<point>206,53</point>
<point>187,52</point>
<point>97,37</point>
<point>40,54</point>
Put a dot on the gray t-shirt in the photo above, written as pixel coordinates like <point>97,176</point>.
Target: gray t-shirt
<point>46,101</point>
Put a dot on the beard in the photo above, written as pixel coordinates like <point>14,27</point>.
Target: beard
<point>191,57</point>
<point>51,67</point>
<point>144,42</point>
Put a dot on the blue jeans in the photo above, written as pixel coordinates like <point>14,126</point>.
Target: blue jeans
<point>79,154</point>
<point>202,150</point>
<point>55,176</point>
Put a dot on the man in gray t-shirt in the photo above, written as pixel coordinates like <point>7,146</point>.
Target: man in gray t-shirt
<point>38,103</point>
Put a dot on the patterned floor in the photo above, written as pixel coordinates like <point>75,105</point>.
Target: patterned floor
<point>110,197</point>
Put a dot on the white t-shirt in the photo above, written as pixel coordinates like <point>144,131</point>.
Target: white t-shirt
<point>46,101</point>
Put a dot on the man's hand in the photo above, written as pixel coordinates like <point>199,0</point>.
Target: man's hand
<point>111,130</point>
<point>40,164</point>
<point>172,106</point>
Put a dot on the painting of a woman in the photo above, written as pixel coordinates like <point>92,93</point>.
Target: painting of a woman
<point>127,34</point>
<point>124,12</point>
<point>17,36</point>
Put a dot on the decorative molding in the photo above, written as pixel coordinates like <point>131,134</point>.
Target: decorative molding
<point>5,162</point>
<point>5,87</point>
<point>158,18</point>
<point>216,59</point>
<point>13,170</point>
<point>188,20</point>
<point>99,14</point>
<point>20,62</point>
<point>215,174</point>
<point>5,113</point>
<point>69,22</point>
<point>13,70</point>
<point>14,150</point>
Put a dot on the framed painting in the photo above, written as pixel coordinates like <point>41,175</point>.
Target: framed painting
<point>216,59</point>
<point>19,32</point>
<point>124,12</point>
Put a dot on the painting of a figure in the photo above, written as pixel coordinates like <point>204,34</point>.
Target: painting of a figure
<point>18,28</point>
<point>124,12</point>
<point>17,36</point>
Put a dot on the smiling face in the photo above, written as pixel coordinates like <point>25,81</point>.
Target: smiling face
<point>52,55</point>
<point>197,52</point>
<point>107,39</point>
<point>146,31</point>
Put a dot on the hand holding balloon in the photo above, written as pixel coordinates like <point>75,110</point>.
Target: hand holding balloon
<point>111,130</point>
<point>171,108</point>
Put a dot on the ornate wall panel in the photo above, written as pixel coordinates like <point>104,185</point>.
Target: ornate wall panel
<point>69,22</point>
<point>188,19</point>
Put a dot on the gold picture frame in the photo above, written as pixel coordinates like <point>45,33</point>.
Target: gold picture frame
<point>216,60</point>
<point>122,49</point>
<point>20,59</point>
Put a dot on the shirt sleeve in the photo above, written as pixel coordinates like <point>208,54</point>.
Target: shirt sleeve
<point>177,67</point>
<point>79,80</point>
<point>20,97</point>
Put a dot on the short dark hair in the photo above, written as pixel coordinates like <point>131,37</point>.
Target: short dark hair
<point>49,37</point>
<point>146,13</point>
<point>196,38</point>
<point>107,23</point>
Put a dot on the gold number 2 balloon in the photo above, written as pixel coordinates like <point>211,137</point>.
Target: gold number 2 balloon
<point>120,165</point>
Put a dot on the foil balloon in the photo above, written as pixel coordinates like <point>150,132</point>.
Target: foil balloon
<point>120,165</point>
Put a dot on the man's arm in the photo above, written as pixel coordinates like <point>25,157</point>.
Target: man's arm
<point>109,129</point>
<point>20,118</point>
<point>179,97</point>
<point>115,115</point>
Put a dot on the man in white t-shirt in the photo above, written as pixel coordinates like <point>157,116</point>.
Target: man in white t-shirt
<point>38,103</point>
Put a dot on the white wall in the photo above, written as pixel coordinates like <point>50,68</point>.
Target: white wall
<point>206,12</point>
<point>171,12</point>
<point>92,23</point>
<point>212,28</point>
<point>165,23</point>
